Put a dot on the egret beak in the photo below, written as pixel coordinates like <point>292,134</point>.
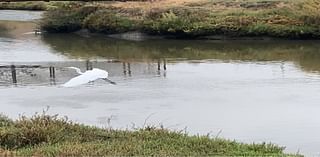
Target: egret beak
<point>109,81</point>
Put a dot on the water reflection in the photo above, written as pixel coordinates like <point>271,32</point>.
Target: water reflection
<point>20,15</point>
<point>16,29</point>
<point>3,31</point>
<point>305,54</point>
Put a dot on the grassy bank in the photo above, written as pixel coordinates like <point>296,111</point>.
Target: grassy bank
<point>192,18</point>
<point>44,135</point>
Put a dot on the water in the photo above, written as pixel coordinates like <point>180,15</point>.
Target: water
<point>251,91</point>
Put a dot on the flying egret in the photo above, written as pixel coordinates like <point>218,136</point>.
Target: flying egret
<point>86,77</point>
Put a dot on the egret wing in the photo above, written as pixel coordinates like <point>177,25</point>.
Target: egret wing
<point>79,80</point>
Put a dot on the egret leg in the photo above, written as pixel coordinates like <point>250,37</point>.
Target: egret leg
<point>109,81</point>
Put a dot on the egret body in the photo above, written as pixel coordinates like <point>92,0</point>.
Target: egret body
<point>88,76</point>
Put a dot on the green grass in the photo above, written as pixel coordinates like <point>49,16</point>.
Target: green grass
<point>255,18</point>
<point>44,135</point>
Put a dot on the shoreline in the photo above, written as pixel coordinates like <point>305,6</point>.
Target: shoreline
<point>141,36</point>
<point>192,20</point>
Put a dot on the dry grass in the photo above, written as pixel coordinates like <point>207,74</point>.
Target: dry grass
<point>155,4</point>
<point>213,5</point>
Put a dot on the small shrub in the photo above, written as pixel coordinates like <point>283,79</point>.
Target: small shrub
<point>5,121</point>
<point>310,12</point>
<point>65,20</point>
<point>36,130</point>
<point>109,22</point>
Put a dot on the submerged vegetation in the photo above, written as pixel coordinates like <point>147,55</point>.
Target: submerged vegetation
<point>192,18</point>
<point>45,135</point>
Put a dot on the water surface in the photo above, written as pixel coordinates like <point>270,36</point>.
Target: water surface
<point>251,91</point>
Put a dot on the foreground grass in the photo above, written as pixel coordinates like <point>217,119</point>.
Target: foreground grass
<point>192,18</point>
<point>44,135</point>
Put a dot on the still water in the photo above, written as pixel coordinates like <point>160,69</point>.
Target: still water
<point>251,91</point>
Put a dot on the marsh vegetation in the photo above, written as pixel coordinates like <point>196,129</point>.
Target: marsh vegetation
<point>46,135</point>
<point>191,18</point>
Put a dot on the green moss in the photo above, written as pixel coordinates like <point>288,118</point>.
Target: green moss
<point>44,135</point>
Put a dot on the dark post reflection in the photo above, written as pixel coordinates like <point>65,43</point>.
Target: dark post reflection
<point>164,67</point>
<point>52,72</point>
<point>126,68</point>
<point>159,65</point>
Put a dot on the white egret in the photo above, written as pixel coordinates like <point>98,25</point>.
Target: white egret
<point>86,77</point>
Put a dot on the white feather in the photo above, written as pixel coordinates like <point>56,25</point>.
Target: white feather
<point>86,77</point>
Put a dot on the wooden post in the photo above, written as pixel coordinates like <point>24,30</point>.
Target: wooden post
<point>129,69</point>
<point>89,65</point>
<point>53,72</point>
<point>52,75</point>
<point>50,71</point>
<point>14,74</point>
<point>164,64</point>
<point>159,65</point>
<point>124,68</point>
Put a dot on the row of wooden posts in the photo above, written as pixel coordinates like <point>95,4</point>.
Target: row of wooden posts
<point>14,72</point>
<point>89,66</point>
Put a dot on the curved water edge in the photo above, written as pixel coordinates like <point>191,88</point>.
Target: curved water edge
<point>253,91</point>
